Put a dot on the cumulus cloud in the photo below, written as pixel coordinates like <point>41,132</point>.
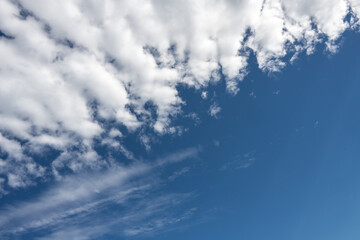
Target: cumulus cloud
<point>74,67</point>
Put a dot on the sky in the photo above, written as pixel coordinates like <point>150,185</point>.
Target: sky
<point>179,119</point>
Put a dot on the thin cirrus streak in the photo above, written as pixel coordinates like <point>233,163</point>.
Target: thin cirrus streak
<point>73,68</point>
<point>120,198</point>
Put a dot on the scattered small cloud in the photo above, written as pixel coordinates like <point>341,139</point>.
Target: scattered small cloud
<point>195,117</point>
<point>214,110</point>
<point>277,92</point>
<point>252,94</point>
<point>316,124</point>
<point>113,133</point>
<point>204,94</point>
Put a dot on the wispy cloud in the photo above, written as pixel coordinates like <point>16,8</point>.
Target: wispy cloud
<point>81,202</point>
<point>179,173</point>
<point>240,162</point>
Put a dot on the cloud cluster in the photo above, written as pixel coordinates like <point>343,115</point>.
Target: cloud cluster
<point>69,69</point>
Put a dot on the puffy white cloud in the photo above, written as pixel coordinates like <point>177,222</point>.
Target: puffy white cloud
<point>19,168</point>
<point>71,66</point>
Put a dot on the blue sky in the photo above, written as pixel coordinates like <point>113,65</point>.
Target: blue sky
<point>110,140</point>
<point>303,181</point>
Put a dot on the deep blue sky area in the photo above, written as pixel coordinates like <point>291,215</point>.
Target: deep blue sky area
<point>280,161</point>
<point>303,181</point>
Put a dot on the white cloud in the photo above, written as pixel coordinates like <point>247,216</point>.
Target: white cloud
<point>204,94</point>
<point>214,110</point>
<point>19,169</point>
<point>178,173</point>
<point>252,94</point>
<point>240,162</point>
<point>72,66</point>
<point>78,202</point>
<point>277,92</point>
<point>2,181</point>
